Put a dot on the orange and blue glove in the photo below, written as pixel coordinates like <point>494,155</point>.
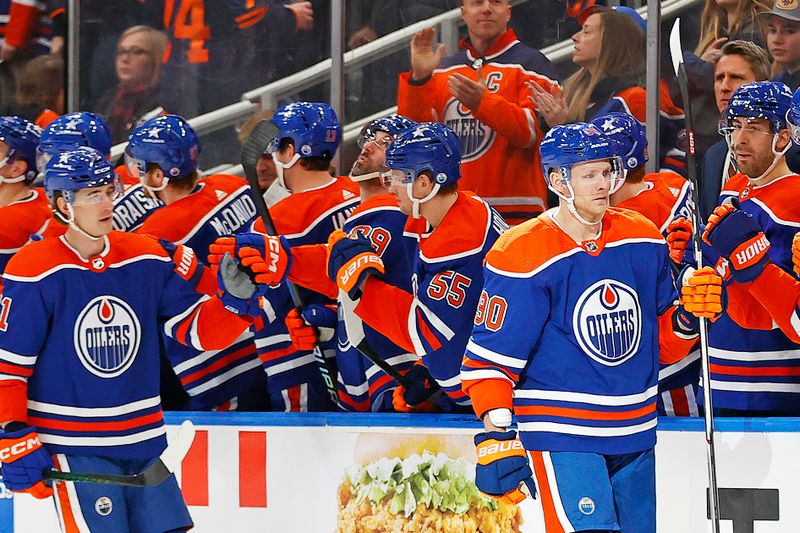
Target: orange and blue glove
<point>419,396</point>
<point>266,258</point>
<point>350,261</point>
<point>24,460</point>
<point>502,467</point>
<point>796,253</point>
<point>238,293</point>
<point>737,237</point>
<point>314,325</point>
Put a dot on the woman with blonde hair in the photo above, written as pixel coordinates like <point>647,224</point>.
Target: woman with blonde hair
<point>724,20</point>
<point>611,78</point>
<point>139,60</point>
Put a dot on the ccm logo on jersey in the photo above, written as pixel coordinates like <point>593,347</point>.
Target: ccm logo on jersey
<point>20,448</point>
<point>750,252</point>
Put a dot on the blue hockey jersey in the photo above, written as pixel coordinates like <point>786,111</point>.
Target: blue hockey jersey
<point>79,342</point>
<point>573,334</point>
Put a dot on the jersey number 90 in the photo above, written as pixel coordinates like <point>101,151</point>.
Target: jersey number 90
<point>491,311</point>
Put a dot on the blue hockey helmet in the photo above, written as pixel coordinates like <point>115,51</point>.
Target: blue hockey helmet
<point>629,133</point>
<point>167,141</point>
<point>794,117</point>
<point>393,125</point>
<point>428,146</point>
<point>22,138</point>
<point>769,100</point>
<point>71,131</point>
<point>73,170</point>
<point>580,142</point>
<point>313,129</point>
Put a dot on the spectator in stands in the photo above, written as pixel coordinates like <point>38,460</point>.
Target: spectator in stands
<point>611,78</point>
<point>40,94</point>
<point>140,51</point>
<point>739,62</point>
<point>721,21</point>
<point>481,94</point>
<point>265,166</point>
<point>782,26</point>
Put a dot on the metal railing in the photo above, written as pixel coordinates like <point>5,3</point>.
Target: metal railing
<point>268,96</point>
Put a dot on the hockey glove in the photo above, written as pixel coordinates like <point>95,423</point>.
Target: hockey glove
<point>236,290</point>
<point>702,293</point>
<point>25,460</point>
<point>737,237</point>
<point>679,241</point>
<point>420,394</point>
<point>796,253</point>
<point>316,324</point>
<point>186,264</point>
<point>265,257</point>
<point>502,467</point>
<point>350,261</point>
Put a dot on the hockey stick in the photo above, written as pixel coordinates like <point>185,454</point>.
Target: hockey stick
<point>676,52</point>
<point>153,475</point>
<point>260,138</point>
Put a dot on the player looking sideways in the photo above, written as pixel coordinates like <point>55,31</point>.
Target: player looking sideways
<point>754,347</point>
<point>580,373</point>
<point>24,211</point>
<point>162,154</point>
<point>79,353</point>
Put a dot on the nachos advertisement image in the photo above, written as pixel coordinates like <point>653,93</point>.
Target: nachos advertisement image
<point>409,483</point>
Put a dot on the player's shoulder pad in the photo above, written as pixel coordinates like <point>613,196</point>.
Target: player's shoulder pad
<point>780,197</point>
<point>461,233</point>
<point>380,202</point>
<point>624,224</point>
<point>526,247</point>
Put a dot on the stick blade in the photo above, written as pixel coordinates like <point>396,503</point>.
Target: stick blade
<point>260,138</point>
<point>675,51</point>
<point>178,447</point>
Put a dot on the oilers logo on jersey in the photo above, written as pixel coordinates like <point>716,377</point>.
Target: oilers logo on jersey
<point>608,322</point>
<point>475,136</point>
<point>106,336</point>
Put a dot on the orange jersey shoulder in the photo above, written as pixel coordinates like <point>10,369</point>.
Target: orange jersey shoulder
<point>661,199</point>
<point>463,228</point>
<point>43,257</point>
<point>177,220</point>
<point>299,211</point>
<point>30,216</point>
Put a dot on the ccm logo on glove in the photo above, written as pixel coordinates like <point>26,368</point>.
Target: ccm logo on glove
<point>19,448</point>
<point>750,253</point>
<point>500,447</point>
<point>274,254</point>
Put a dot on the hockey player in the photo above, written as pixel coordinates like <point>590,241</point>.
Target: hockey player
<point>580,371</point>
<point>81,316</point>
<point>754,348</point>
<point>481,94</point>
<point>660,197</point>
<point>24,212</point>
<point>73,130</point>
<point>162,154</point>
<point>433,319</point>
<point>362,385</point>
<point>309,134</point>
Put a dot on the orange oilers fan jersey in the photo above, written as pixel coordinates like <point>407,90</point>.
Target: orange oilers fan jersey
<point>500,139</point>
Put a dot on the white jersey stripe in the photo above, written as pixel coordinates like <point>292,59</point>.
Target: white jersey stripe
<point>94,412</point>
<point>587,431</point>
<point>122,440</point>
<point>581,397</point>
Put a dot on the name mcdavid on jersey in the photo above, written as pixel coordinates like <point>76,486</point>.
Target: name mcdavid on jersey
<point>607,322</point>
<point>106,336</point>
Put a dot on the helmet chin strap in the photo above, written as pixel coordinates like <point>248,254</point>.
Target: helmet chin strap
<point>416,202</point>
<point>571,205</point>
<point>155,189</point>
<point>280,167</point>
<point>74,225</point>
<point>777,156</point>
